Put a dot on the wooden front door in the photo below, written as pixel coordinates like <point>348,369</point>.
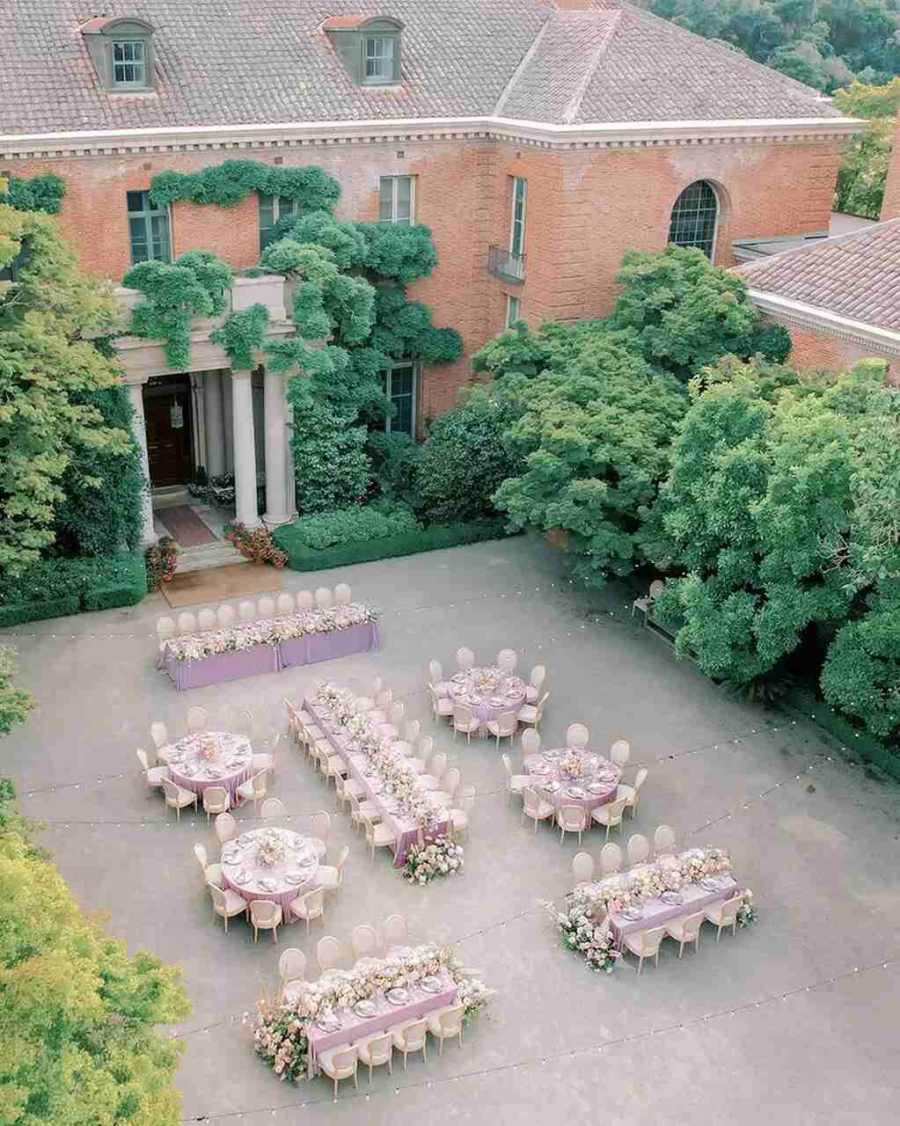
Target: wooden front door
<point>168,444</point>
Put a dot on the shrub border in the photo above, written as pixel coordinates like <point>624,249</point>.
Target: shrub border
<point>856,742</point>
<point>127,591</point>
<point>303,558</point>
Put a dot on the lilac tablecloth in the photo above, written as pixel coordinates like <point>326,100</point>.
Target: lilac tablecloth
<point>315,647</point>
<point>388,1016</point>
<point>559,798</point>
<point>405,831</point>
<point>696,898</point>
<point>284,893</point>
<point>230,746</point>
<point>510,690</point>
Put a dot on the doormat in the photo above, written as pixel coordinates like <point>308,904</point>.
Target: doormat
<point>184,525</point>
<point>221,584</point>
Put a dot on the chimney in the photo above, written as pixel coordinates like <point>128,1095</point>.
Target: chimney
<point>890,209</point>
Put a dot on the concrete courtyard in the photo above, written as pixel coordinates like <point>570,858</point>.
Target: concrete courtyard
<point>795,1020</point>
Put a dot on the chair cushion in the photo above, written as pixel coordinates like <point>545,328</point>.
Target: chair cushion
<point>398,1038</point>
<point>245,790</point>
<point>234,903</point>
<point>156,774</point>
<point>351,787</point>
<point>543,810</point>
<point>442,688</point>
<point>445,706</point>
<point>362,1046</point>
<point>601,815</point>
<point>528,713</point>
<point>320,846</point>
<point>518,782</point>
<point>417,765</point>
<point>625,792</point>
<point>326,877</point>
<point>460,818</point>
<point>383,835</point>
<point>531,694</point>
<point>325,1059</point>
<point>336,765</point>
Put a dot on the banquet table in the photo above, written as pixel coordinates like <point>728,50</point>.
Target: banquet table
<point>290,878</point>
<point>230,766</point>
<point>488,692</point>
<point>656,912</point>
<point>354,1028</point>
<point>406,831</point>
<point>594,784</point>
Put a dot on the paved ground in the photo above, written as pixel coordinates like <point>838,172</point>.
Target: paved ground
<point>820,853</point>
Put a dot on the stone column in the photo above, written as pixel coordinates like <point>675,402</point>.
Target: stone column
<point>215,424</point>
<point>277,511</point>
<point>136,393</point>
<point>244,450</point>
<point>289,470</point>
<point>228,420</point>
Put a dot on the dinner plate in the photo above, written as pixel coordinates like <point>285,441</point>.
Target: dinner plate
<point>295,877</point>
<point>498,701</point>
<point>553,787</point>
<point>365,1008</point>
<point>596,787</point>
<point>328,1025</point>
<point>431,984</point>
<point>398,996</point>
<point>575,792</point>
<point>266,884</point>
<point>242,877</point>
<point>540,768</point>
<point>633,913</point>
<point>710,884</point>
<point>672,897</point>
<point>607,775</point>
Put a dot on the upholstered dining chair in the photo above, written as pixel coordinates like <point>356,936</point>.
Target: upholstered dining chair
<point>247,611</point>
<point>536,680</point>
<point>255,789</point>
<point>227,903</point>
<point>644,604</point>
<point>328,953</point>
<point>363,940</point>
<point>411,730</point>
<point>571,819</point>
<point>583,867</point>
<point>178,798</point>
<point>212,873</point>
<point>265,915</point>
<point>265,607</point>
<point>664,841</point>
<point>686,930</point>
<point>226,617</point>
<point>292,968</point>
<point>645,944</point>
<point>309,906</point>
<point>160,737</point>
<point>324,598</point>
<point>436,674</point>
<point>465,659</point>
<point>507,659</point>
<point>723,915</point>
<point>340,1063</point>
<point>620,752</point>
<point>331,877</point>
<point>166,630</point>
<point>215,800</point>
<point>225,827</point>
<point>577,736</point>
<point>534,713</point>
<point>197,718</point>
<point>461,810</point>
<point>411,1038</point>
<point>638,849</point>
<point>515,783</point>
<point>343,595</point>
<point>631,793</point>
<point>394,931</point>
<point>285,603</point>
<point>504,726</point>
<point>531,742</point>
<point>206,621</point>
<point>464,720</point>
<point>441,706</point>
<point>273,809</point>
<point>378,836</point>
<point>610,859</point>
<point>610,815</point>
<point>187,623</point>
<point>241,721</point>
<point>534,806</point>
<point>319,831</point>
<point>449,785</point>
<point>436,767</point>
<point>446,1024</point>
<point>153,775</point>
<point>267,760</point>
<point>375,1051</point>
<point>305,600</point>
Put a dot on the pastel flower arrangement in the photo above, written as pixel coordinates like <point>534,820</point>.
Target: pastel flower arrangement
<point>747,912</point>
<point>649,881</point>
<point>270,848</point>
<point>270,631</point>
<point>209,749</point>
<point>280,1031</point>
<point>572,763</point>
<point>586,936</point>
<point>487,680</point>
<point>426,861</point>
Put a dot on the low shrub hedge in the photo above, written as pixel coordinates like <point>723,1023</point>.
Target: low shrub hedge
<point>301,557</point>
<point>53,588</point>
<point>355,524</point>
<point>856,741</point>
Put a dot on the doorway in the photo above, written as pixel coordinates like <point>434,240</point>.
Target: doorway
<point>170,438</point>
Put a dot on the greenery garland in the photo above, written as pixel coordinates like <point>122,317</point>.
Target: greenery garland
<point>37,193</point>
<point>228,183</point>
<point>242,334</point>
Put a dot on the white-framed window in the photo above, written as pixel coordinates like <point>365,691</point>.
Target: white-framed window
<point>398,199</point>
<point>513,310</point>
<point>517,229</point>
<point>129,64</point>
<point>400,384</point>
<point>695,218</point>
<point>148,229</point>
<point>379,59</point>
<point>271,209</point>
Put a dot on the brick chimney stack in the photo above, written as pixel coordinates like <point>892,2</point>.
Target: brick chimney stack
<point>890,209</point>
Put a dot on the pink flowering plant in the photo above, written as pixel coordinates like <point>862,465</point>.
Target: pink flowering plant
<point>438,857</point>
<point>586,936</point>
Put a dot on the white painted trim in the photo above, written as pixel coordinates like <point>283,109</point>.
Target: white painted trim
<point>814,317</point>
<point>195,138</point>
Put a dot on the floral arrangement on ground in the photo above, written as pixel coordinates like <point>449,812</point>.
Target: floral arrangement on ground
<point>271,631</point>
<point>280,1033</point>
<point>586,936</point>
<point>426,861</point>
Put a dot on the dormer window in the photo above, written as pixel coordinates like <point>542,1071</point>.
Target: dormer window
<point>370,48</point>
<point>121,49</point>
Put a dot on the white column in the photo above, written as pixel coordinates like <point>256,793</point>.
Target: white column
<point>136,393</point>
<point>289,471</point>
<point>228,420</point>
<point>244,449</point>
<point>277,511</point>
<point>215,424</point>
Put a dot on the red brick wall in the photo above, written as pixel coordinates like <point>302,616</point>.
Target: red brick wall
<point>890,208</point>
<point>816,349</point>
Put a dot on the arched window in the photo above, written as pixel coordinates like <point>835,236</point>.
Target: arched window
<point>694,217</point>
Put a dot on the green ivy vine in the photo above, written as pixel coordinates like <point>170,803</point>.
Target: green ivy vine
<point>243,334</point>
<point>36,193</point>
<point>228,183</point>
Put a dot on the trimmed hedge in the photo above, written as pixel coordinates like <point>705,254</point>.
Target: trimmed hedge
<point>303,558</point>
<point>53,588</point>
<point>859,742</point>
<point>357,524</point>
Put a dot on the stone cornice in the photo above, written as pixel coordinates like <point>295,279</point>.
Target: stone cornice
<point>191,139</point>
<point>883,341</point>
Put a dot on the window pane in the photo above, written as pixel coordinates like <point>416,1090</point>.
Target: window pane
<point>380,57</point>
<point>128,63</point>
<point>694,218</point>
<point>136,201</point>
<point>159,230</point>
<point>386,206</point>
<point>404,193</point>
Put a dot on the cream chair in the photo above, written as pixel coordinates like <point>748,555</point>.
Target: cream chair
<point>461,811</point>
<point>154,776</point>
<point>411,730</point>
<point>378,836</point>
<point>610,815</point>
<point>390,728</point>
<point>363,940</point>
<point>285,603</point>
<point>686,930</point>
<point>583,867</point>
<point>324,598</point>
<point>533,689</point>
<point>534,806</point>
<point>225,827</point>
<point>395,931</point>
<point>436,672</point>
<point>160,737</point>
<point>724,914</point>
<point>343,595</point>
<point>215,800</point>
<point>226,904</point>
<point>254,790</point>
<point>319,830</point>
<point>533,713</point>
<point>212,873</point>
<point>444,1024</point>
<point>638,849</point>
<point>419,761</point>
<point>664,841</point>
<point>411,1038</point>
<point>331,878</point>
<point>333,766</point>
<point>266,760</point>
<point>273,809</point>
<point>577,736</point>
<point>571,819</point>
<point>305,600</point>
<point>441,706</point>
<point>328,953</point>
<point>292,968</point>
<point>247,611</point>
<point>178,798</point>
<point>465,659</point>
<point>515,783</point>
<point>644,604</point>
<point>531,742</point>
<point>187,623</point>
<point>265,915</point>
<point>241,721</point>
<point>265,607</point>
<point>340,1063</point>
<point>166,630</point>
<point>610,859</point>
<point>464,720</point>
<point>197,719</point>
<point>436,767</point>
<point>360,809</point>
<point>620,752</point>
<point>504,726</point>
<point>645,944</point>
<point>226,617</point>
<point>507,659</point>
<point>375,1051</point>
<point>631,793</point>
<point>206,621</point>
<point>310,906</point>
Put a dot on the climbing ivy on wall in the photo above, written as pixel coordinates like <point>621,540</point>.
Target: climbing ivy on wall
<point>227,184</point>
<point>242,334</point>
<point>37,193</point>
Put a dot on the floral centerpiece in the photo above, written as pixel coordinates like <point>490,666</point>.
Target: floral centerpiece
<point>649,881</point>
<point>209,749</point>
<point>485,681</point>
<point>571,763</point>
<point>747,913</point>
<point>280,1031</point>
<point>586,936</point>
<point>270,848</point>
<point>427,861</point>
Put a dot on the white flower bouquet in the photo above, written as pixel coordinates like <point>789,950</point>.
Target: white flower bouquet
<point>438,857</point>
<point>586,936</point>
<point>270,848</point>
<point>668,873</point>
<point>747,913</point>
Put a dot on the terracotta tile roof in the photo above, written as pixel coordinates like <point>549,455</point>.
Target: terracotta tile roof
<point>335,23</point>
<point>855,275</point>
<point>248,62</point>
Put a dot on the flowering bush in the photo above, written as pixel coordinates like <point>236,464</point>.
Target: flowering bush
<point>425,862</point>
<point>257,544</point>
<point>161,560</point>
<point>747,913</point>
<point>217,491</point>
<point>587,937</point>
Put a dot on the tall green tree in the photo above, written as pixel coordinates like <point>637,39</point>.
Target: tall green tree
<point>867,156</point>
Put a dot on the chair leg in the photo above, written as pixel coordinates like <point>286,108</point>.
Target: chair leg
<point>255,933</point>
<point>657,957</point>
<point>640,964</point>
<point>441,1048</point>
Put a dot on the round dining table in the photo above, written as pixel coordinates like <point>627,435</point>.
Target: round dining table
<point>564,776</point>
<point>488,693</point>
<point>244,872</point>
<point>211,758</point>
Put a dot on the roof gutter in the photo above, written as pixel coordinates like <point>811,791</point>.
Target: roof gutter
<point>886,340</point>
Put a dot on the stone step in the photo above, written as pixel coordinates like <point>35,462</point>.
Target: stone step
<point>208,556</point>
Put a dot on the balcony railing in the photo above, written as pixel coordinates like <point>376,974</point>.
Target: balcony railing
<point>504,264</point>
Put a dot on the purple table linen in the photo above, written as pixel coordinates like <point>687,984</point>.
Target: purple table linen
<point>388,1016</point>
<point>222,667</point>
<point>230,781</point>
<point>656,912</point>
<point>315,647</point>
<point>559,798</point>
<point>286,895</point>
<point>484,711</point>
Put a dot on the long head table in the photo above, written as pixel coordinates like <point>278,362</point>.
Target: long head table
<point>656,912</point>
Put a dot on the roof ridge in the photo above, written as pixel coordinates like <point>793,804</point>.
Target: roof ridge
<point>834,240</point>
<point>571,110</point>
<point>523,65</point>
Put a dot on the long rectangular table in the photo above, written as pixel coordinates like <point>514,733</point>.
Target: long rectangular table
<point>259,659</point>
<point>696,898</point>
<point>406,832</point>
